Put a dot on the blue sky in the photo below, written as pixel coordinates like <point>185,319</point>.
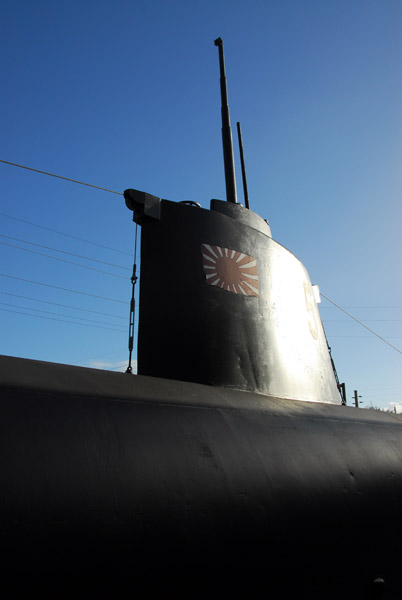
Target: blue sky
<point>126,94</point>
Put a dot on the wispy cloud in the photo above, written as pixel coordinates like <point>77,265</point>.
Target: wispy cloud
<point>120,365</point>
<point>396,405</point>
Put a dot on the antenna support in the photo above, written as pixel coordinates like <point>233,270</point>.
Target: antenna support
<point>231,195</point>
<point>243,167</point>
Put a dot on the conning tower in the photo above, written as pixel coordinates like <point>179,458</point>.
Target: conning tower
<point>221,302</point>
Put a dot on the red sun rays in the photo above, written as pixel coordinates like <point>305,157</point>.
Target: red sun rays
<point>230,270</point>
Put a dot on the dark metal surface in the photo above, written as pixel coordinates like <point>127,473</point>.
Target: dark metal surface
<point>271,342</point>
<point>237,212</point>
<point>140,478</point>
<point>142,204</point>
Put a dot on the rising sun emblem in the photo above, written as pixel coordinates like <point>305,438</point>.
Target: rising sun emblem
<point>230,270</point>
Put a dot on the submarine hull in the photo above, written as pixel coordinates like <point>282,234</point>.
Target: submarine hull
<point>147,481</point>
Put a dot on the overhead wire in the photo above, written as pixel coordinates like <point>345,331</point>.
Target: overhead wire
<point>62,260</point>
<point>383,393</point>
<point>63,305</point>
<point>103,262</point>
<point>361,306</point>
<point>97,187</point>
<point>75,237</point>
<point>364,320</point>
<point>61,320</point>
<point>119,193</point>
<point>363,337</point>
<point>360,323</point>
<point>48,312</point>
<point>62,288</point>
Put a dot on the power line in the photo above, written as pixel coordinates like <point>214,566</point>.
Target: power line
<point>74,237</point>
<point>61,315</point>
<point>376,394</point>
<point>332,307</point>
<point>364,320</point>
<point>62,288</point>
<point>64,252</point>
<point>362,324</point>
<point>381,389</point>
<point>6,162</point>
<point>63,260</point>
<point>363,337</point>
<point>63,305</point>
<point>60,320</point>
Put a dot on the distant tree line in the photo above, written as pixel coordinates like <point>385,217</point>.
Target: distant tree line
<point>386,410</point>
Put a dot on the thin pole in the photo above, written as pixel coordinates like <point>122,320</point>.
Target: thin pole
<point>356,399</point>
<point>243,168</point>
<point>231,194</point>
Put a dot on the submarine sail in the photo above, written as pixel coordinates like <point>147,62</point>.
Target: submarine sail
<point>237,309</point>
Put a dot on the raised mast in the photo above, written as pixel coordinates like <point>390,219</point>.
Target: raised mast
<point>243,167</point>
<point>231,195</point>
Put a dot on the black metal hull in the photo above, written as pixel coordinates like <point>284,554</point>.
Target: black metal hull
<point>270,341</point>
<point>149,481</point>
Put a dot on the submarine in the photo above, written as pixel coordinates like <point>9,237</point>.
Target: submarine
<point>229,464</point>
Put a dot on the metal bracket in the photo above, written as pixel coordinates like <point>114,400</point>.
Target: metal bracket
<point>143,205</point>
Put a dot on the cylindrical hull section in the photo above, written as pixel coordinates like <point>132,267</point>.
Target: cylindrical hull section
<point>112,469</point>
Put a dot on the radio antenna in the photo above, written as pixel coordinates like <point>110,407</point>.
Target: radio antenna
<point>243,168</point>
<point>231,195</point>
